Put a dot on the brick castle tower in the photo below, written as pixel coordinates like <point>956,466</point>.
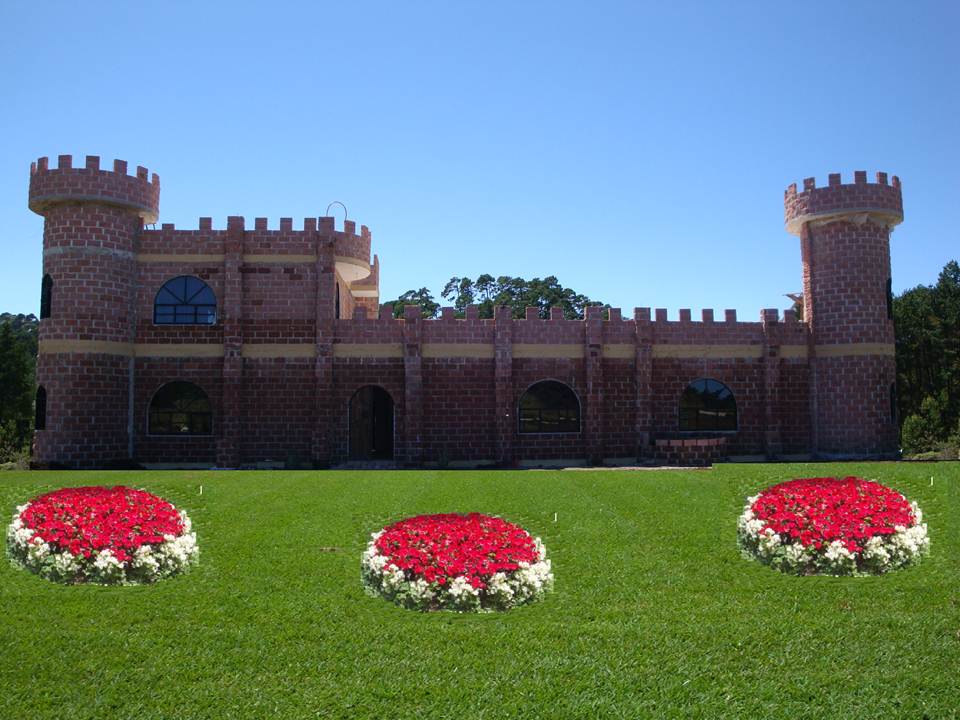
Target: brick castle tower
<point>92,222</point>
<point>844,233</point>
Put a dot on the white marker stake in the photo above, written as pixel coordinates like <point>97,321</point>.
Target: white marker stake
<point>554,517</point>
<point>201,489</point>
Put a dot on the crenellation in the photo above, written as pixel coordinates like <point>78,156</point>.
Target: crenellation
<point>206,223</point>
<point>707,315</point>
<point>661,315</point>
<point>532,313</point>
<point>685,315</point>
<point>730,315</point>
<point>614,315</point>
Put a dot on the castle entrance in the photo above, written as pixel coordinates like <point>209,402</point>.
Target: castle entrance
<point>371,424</point>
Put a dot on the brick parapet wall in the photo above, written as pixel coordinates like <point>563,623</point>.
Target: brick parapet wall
<point>812,203</point>
<point>67,184</point>
<point>260,241</point>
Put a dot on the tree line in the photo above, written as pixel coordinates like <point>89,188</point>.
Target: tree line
<point>18,360</point>
<point>927,321</point>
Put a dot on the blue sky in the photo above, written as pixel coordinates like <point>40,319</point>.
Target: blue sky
<point>639,152</point>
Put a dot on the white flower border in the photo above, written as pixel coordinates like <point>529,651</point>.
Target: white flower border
<point>881,554</point>
<point>504,591</point>
<point>148,564</point>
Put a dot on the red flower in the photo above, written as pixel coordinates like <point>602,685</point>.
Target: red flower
<point>818,511</point>
<point>86,520</point>
<point>438,547</point>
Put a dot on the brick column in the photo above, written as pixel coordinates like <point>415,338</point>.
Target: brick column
<point>593,366</point>
<point>809,310</point>
<point>503,384</point>
<point>229,438</point>
<point>643,371</point>
<point>326,412</point>
<point>771,382</point>
<point>412,385</point>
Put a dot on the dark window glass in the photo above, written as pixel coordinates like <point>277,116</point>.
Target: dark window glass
<point>549,407</point>
<point>185,300</point>
<point>890,298</point>
<point>180,408</point>
<point>336,310</point>
<point>40,409</point>
<point>707,405</point>
<point>46,296</point>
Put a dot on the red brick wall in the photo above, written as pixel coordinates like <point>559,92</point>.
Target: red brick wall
<point>87,414</point>
<point>278,409</point>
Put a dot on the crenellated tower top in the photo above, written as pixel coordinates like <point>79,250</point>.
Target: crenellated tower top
<point>65,184</point>
<point>880,201</point>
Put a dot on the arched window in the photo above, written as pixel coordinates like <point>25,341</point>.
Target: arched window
<point>185,300</point>
<point>40,409</point>
<point>46,296</point>
<point>549,407</point>
<point>180,408</point>
<point>707,405</point>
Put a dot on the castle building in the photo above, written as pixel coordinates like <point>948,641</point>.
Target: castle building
<point>252,346</point>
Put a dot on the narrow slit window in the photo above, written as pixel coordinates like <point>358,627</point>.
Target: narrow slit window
<point>46,296</point>
<point>40,409</point>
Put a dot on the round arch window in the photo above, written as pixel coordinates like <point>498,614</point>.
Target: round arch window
<point>549,406</point>
<point>707,404</point>
<point>185,300</point>
<point>180,408</point>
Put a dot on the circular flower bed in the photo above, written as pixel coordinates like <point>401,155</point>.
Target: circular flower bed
<point>467,563</point>
<point>101,535</point>
<point>832,526</point>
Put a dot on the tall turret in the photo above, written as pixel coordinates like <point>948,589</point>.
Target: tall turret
<point>92,222</point>
<point>844,232</point>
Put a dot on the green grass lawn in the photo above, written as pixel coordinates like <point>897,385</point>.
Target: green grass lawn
<point>654,613</point>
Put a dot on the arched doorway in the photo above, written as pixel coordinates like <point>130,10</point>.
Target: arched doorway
<point>371,424</point>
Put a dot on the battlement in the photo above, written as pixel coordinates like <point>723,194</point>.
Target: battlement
<point>880,201</point>
<point>65,183</point>
<point>323,225</point>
